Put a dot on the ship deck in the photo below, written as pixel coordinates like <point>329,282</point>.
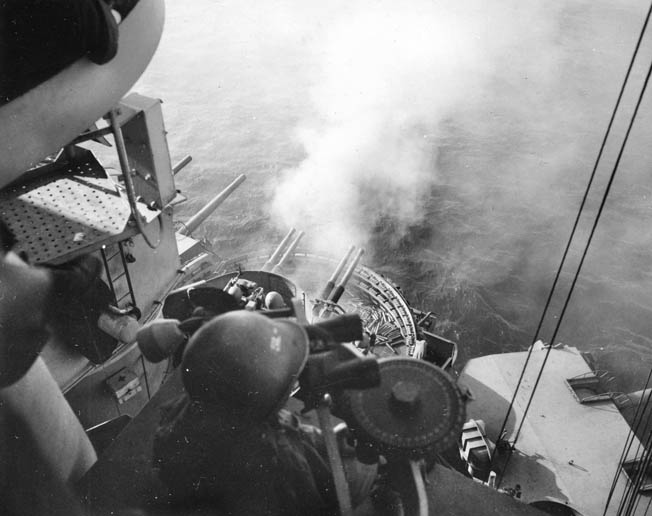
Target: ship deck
<point>567,450</point>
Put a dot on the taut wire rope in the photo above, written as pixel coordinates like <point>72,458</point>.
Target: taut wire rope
<point>588,242</point>
<point>577,219</point>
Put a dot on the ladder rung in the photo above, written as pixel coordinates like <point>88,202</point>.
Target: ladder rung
<point>125,295</point>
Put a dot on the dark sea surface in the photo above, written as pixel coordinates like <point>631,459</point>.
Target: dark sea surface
<point>453,142</point>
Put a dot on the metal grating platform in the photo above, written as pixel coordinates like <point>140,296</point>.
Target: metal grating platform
<point>73,210</point>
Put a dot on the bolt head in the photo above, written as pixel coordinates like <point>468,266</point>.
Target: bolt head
<point>406,395</point>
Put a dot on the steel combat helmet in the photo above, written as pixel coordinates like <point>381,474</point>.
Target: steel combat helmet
<point>274,300</point>
<point>245,361</point>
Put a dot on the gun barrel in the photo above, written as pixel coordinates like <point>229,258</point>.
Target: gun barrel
<point>274,257</point>
<point>177,168</point>
<point>195,221</point>
<point>337,292</point>
<point>336,273</point>
<point>288,252</point>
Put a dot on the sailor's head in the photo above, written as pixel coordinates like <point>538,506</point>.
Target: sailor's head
<point>245,362</point>
<point>274,300</point>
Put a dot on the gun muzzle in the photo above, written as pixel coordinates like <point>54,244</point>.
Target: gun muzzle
<point>288,252</point>
<point>330,285</point>
<point>337,292</point>
<point>275,255</point>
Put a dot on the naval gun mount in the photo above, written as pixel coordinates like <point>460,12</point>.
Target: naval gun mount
<point>405,410</point>
<point>393,326</point>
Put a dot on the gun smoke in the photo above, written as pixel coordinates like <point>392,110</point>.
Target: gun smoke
<point>391,77</point>
<point>457,141</point>
<point>454,141</point>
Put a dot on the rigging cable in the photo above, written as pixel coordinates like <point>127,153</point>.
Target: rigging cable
<point>583,257</point>
<point>584,253</point>
<point>629,495</point>
<point>576,223</point>
<point>636,423</point>
<point>629,501</point>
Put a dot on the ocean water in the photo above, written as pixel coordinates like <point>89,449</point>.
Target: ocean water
<point>453,142</point>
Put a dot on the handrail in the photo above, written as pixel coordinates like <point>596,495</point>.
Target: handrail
<point>126,174</point>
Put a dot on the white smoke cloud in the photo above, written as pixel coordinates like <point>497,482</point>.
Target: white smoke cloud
<point>390,74</point>
<point>501,106</point>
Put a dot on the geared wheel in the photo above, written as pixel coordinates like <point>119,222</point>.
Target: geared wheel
<point>416,412</point>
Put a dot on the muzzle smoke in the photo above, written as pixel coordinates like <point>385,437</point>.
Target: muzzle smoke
<point>453,140</point>
<point>394,81</point>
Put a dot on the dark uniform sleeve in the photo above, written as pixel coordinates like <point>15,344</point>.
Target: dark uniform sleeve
<point>265,468</point>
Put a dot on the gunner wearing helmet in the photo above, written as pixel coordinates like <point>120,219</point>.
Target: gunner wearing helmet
<point>227,441</point>
<point>224,441</point>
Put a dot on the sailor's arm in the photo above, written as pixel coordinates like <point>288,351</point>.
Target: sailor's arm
<point>24,294</point>
<point>41,448</point>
